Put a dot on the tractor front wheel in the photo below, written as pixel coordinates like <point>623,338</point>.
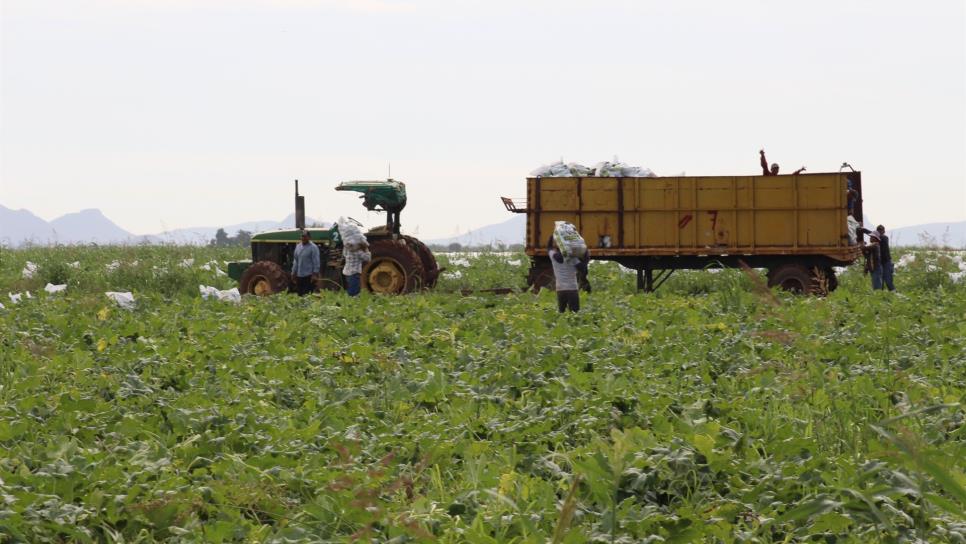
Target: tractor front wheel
<point>394,269</point>
<point>264,278</point>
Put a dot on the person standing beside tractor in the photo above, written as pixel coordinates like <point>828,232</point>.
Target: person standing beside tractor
<point>306,264</point>
<point>887,267</point>
<point>773,171</point>
<point>356,256</point>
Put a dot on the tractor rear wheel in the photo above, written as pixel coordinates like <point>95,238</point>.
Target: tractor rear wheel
<point>394,269</point>
<point>797,278</point>
<point>430,267</point>
<point>264,278</point>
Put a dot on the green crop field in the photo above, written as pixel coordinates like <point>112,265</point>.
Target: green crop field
<point>710,411</point>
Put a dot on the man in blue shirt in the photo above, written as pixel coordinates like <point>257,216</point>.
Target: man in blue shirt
<point>306,263</point>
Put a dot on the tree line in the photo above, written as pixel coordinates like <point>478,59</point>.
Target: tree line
<point>242,238</point>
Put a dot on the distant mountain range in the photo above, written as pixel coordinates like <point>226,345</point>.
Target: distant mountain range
<point>509,232</point>
<point>18,227</point>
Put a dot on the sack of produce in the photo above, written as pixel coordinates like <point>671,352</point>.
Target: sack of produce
<point>570,242</point>
<point>351,232</point>
<point>853,227</point>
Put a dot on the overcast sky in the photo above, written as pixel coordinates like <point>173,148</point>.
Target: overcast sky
<point>178,113</point>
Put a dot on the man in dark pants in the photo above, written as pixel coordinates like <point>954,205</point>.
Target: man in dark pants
<point>873,260</point>
<point>305,265</point>
<point>566,272</point>
<point>886,259</point>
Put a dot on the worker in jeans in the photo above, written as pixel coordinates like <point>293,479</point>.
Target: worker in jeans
<point>565,272</point>
<point>305,265</point>
<point>886,256</point>
<point>356,256</point>
<point>873,260</point>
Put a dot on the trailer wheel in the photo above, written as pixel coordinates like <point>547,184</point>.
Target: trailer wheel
<point>264,278</point>
<point>394,269</point>
<point>426,257</point>
<point>795,278</point>
<point>540,276</point>
<point>833,281</point>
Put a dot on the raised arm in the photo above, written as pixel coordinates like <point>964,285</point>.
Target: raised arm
<point>764,164</point>
<point>799,171</point>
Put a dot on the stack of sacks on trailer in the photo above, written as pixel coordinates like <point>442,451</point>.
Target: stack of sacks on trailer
<point>570,242</point>
<point>602,169</point>
<point>351,232</point>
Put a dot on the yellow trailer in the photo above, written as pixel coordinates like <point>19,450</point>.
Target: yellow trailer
<point>794,225</point>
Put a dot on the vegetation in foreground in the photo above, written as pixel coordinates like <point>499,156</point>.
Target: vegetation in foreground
<point>707,412</point>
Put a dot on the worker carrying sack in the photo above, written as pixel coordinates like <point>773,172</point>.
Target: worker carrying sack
<point>351,232</point>
<point>571,244</point>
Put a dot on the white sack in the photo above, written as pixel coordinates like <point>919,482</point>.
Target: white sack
<point>570,242</point>
<point>544,171</point>
<point>905,260</point>
<point>227,295</point>
<point>123,299</point>
<point>351,232</point>
<point>51,288</point>
<point>852,225</point>
<point>29,270</point>
<point>579,170</point>
<point>113,265</point>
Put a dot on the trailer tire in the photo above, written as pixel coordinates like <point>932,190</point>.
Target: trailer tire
<point>430,266</point>
<point>394,269</point>
<point>795,278</point>
<point>264,278</point>
<point>540,276</point>
<point>833,281</point>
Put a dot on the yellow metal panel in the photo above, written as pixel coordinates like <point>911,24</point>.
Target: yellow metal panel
<point>597,225</point>
<point>695,215</point>
<point>599,194</point>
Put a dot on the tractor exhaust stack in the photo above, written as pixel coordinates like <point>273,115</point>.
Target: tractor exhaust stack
<point>299,208</point>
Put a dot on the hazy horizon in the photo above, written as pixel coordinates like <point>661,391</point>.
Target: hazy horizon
<point>169,114</point>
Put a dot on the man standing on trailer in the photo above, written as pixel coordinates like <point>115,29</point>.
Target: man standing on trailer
<point>886,257</point>
<point>765,171</point>
<point>305,265</point>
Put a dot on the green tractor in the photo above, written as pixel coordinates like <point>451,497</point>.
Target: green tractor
<point>400,263</point>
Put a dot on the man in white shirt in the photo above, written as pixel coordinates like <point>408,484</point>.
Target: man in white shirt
<point>565,272</point>
<point>356,256</point>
